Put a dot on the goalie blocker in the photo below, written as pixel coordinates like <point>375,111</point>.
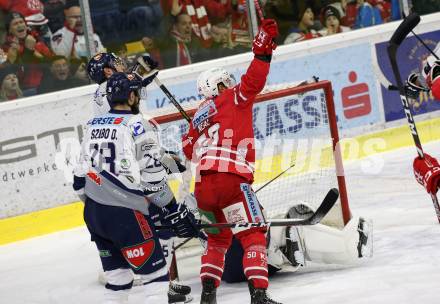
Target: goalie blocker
<point>298,245</point>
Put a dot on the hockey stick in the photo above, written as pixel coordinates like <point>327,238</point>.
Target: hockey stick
<point>164,89</point>
<point>327,204</point>
<point>407,25</point>
<point>423,42</point>
<point>276,177</point>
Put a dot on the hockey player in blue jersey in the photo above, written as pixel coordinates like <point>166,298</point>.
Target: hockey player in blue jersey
<point>100,68</point>
<point>120,173</point>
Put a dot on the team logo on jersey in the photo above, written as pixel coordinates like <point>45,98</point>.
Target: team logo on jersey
<point>137,128</point>
<point>98,56</point>
<point>206,111</point>
<point>125,164</point>
<point>138,255</point>
<point>118,120</point>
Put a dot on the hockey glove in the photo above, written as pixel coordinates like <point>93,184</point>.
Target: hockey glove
<point>427,172</point>
<point>172,162</point>
<point>264,43</point>
<point>146,68</point>
<point>181,219</point>
<point>435,80</point>
<point>413,86</point>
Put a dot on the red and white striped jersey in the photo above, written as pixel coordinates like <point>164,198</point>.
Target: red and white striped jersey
<point>221,135</point>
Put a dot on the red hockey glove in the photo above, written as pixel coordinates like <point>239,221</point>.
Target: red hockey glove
<point>427,172</point>
<point>435,82</point>
<point>264,43</point>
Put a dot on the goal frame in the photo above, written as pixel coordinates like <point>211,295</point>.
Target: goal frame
<point>326,87</point>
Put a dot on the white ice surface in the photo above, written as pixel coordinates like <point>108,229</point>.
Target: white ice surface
<point>63,267</point>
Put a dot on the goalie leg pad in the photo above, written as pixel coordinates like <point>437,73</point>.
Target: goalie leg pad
<point>294,250</point>
<point>324,244</point>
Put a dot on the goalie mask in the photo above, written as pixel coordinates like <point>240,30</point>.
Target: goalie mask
<point>208,81</point>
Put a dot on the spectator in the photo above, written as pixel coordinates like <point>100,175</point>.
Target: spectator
<point>222,42</point>
<point>367,15</point>
<point>69,41</point>
<point>423,7</point>
<point>151,49</point>
<point>304,30</point>
<point>220,10</point>
<point>24,7</point>
<point>197,12</point>
<point>25,50</point>
<point>37,26</point>
<point>240,27</point>
<point>384,8</point>
<point>181,49</point>
<point>59,76</point>
<point>54,11</point>
<point>349,12</point>
<point>331,19</point>
<point>10,87</point>
<point>283,11</point>
<point>79,70</point>
<point>144,18</point>
<point>108,21</point>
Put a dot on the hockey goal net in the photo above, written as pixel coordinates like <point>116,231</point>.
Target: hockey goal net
<point>297,139</point>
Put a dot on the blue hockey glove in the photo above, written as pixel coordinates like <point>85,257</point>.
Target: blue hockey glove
<point>181,219</point>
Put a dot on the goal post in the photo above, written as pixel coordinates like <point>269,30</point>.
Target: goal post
<point>293,125</point>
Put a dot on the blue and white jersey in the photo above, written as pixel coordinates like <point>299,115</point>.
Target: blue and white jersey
<point>100,103</point>
<point>120,163</point>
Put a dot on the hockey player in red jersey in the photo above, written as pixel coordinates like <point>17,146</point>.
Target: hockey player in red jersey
<point>221,142</point>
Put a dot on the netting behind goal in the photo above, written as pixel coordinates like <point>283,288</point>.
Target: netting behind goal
<point>296,137</point>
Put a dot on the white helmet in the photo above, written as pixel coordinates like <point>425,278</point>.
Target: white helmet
<point>208,81</point>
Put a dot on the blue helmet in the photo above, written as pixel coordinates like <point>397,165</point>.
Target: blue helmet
<point>96,65</point>
<point>120,85</point>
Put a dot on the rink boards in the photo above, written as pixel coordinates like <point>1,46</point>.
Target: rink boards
<point>36,197</point>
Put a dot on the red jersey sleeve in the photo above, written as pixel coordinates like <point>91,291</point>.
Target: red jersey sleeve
<point>188,143</point>
<point>252,82</point>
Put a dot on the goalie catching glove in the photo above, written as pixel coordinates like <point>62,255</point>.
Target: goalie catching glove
<point>264,43</point>
<point>427,172</point>
<point>181,220</point>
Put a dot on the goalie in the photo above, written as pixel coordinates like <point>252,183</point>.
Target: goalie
<point>296,246</point>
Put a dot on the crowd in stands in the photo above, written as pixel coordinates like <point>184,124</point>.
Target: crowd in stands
<point>43,47</point>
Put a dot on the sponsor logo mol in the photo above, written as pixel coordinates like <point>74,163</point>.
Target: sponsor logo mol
<point>135,253</point>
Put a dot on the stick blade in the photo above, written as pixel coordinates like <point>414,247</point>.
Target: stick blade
<point>327,204</point>
<point>407,25</point>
